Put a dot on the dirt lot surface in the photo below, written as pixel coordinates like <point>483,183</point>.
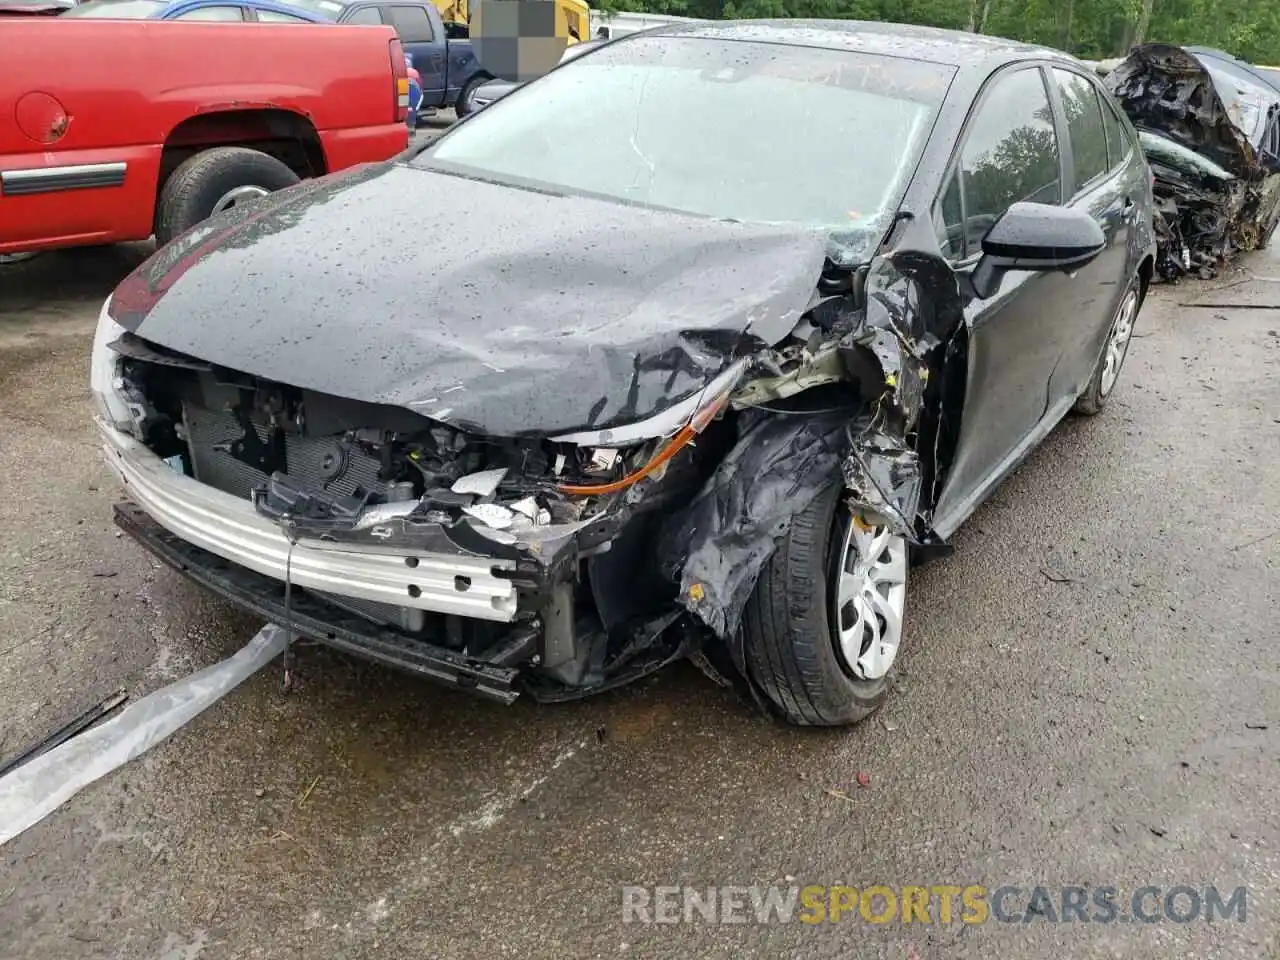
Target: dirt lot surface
<point>1091,695</point>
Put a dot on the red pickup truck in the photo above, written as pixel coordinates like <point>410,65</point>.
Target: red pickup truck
<point>120,130</point>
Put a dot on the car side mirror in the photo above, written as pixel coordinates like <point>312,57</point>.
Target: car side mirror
<point>1035,236</point>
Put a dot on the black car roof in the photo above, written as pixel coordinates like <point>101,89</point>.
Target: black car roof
<point>964,51</point>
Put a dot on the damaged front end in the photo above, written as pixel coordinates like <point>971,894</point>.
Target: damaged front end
<point>558,565</point>
<point>1210,135</point>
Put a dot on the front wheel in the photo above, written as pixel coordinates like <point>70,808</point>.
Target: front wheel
<point>213,181</point>
<point>823,629</point>
<point>1107,372</point>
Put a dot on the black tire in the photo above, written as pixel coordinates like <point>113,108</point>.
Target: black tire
<point>789,646</point>
<point>1091,402</point>
<point>463,106</point>
<point>189,195</point>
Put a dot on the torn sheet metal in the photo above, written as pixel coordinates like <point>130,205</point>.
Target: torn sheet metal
<point>573,314</point>
<point>883,477</point>
<point>35,790</point>
<point>717,546</point>
<point>1205,134</point>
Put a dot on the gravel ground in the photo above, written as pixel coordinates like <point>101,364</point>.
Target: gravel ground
<point>1083,701</point>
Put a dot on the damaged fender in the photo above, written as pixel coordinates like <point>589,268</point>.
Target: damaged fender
<point>719,544</point>
<point>723,539</point>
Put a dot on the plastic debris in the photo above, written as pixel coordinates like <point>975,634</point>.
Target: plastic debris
<point>491,514</point>
<point>35,790</point>
<point>482,483</point>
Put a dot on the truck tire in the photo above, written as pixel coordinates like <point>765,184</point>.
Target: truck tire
<point>215,180</point>
<point>464,106</point>
<point>790,626</point>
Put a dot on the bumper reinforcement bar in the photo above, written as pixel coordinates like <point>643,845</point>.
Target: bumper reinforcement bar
<point>327,624</point>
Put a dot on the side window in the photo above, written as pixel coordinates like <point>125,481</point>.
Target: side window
<point>1119,142</point>
<point>951,228</point>
<point>1010,154</point>
<point>365,16</point>
<point>412,23</point>
<point>274,16</point>
<point>1084,126</point>
<point>215,14</point>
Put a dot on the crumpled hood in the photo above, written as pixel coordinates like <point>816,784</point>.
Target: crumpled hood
<point>501,310</point>
<point>1165,89</point>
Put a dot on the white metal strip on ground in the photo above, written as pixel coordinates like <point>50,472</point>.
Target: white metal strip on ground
<point>36,789</point>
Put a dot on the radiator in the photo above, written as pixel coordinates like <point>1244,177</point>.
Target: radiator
<point>319,462</point>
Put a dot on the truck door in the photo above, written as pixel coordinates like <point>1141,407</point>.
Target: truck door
<point>420,42</point>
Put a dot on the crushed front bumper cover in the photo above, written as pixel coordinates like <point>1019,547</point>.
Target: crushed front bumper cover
<point>223,543</point>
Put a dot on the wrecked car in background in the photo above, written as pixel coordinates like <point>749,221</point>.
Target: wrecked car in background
<point>1210,126</point>
<point>671,388</point>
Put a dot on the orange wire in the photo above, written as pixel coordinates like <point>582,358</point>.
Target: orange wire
<point>682,438</point>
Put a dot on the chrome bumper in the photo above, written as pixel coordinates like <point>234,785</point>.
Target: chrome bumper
<point>233,529</point>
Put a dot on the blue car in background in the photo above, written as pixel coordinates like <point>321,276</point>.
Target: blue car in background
<point>219,11</point>
<point>446,65</point>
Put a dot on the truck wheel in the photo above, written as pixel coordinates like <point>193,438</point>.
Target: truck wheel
<point>213,181</point>
<point>823,628</point>
<point>465,105</point>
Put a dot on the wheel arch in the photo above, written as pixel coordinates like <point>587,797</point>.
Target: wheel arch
<point>287,135</point>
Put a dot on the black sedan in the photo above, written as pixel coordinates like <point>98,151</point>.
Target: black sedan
<point>712,332</point>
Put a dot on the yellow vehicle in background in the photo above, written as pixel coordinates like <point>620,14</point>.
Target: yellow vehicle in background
<point>573,18</point>
<point>577,19</point>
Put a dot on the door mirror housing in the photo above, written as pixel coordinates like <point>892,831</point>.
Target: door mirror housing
<point>1035,236</point>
